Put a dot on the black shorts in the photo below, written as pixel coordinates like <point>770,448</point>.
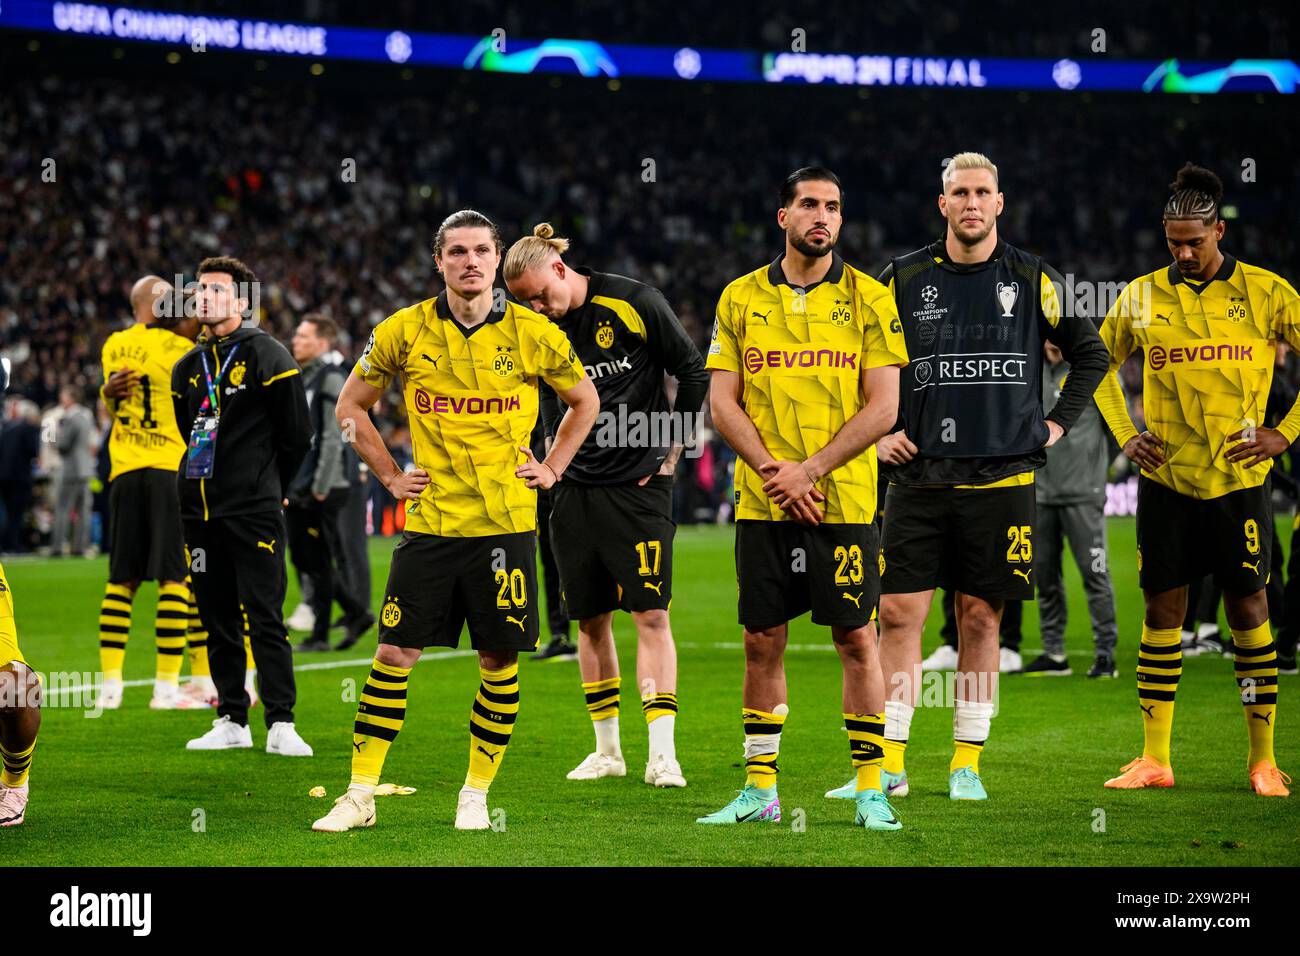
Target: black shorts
<point>145,538</point>
<point>613,545</point>
<point>1182,539</point>
<point>437,584</point>
<point>785,569</point>
<point>978,541</point>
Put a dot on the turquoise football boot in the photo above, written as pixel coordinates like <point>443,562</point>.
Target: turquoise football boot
<point>965,784</point>
<point>752,805</point>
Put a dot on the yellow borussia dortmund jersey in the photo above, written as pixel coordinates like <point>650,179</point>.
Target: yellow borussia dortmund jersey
<point>1209,364</point>
<point>144,425</point>
<point>9,651</point>
<point>471,399</point>
<point>801,353</point>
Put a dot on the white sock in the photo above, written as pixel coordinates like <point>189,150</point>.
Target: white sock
<point>112,684</point>
<point>164,688</point>
<point>971,719</point>
<point>898,720</point>
<point>204,684</point>
<point>250,679</point>
<point>362,789</point>
<point>607,736</point>
<point>661,736</point>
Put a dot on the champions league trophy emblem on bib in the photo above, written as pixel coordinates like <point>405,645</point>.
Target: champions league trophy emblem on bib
<point>1007,292</point>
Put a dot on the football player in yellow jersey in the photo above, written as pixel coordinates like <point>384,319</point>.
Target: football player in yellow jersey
<point>1208,325</point>
<point>20,704</point>
<point>145,538</point>
<point>469,361</point>
<point>805,358</point>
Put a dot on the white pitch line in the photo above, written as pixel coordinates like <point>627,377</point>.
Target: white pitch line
<point>314,666</point>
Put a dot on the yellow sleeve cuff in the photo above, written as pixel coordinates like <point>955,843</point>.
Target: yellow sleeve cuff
<point>1113,408</point>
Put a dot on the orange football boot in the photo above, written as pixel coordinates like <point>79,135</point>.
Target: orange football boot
<point>1143,772</point>
<point>1268,781</point>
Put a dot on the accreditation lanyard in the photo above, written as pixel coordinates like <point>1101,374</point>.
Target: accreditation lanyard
<point>200,455</point>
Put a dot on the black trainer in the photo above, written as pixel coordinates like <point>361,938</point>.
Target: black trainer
<point>1103,666</point>
<point>312,646</point>
<point>1287,665</point>
<point>356,626</point>
<point>1049,666</point>
<point>560,649</point>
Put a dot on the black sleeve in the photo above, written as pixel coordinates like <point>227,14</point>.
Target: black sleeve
<point>887,276</point>
<point>286,403</point>
<point>183,422</point>
<point>1076,336</point>
<point>672,348</point>
<point>552,409</point>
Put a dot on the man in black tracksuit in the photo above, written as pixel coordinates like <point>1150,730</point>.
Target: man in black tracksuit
<point>239,400</point>
<point>319,493</point>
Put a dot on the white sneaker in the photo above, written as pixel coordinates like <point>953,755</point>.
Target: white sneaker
<point>302,618</point>
<point>110,698</point>
<point>284,740</point>
<point>224,735</point>
<point>944,658</point>
<point>599,765</point>
<point>201,692</point>
<point>663,772</point>
<point>471,810</point>
<point>352,811</point>
<point>13,805</point>
<point>171,697</point>
<point>1009,661</point>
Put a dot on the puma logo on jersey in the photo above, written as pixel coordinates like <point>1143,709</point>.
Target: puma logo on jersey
<point>194,381</point>
<point>1023,574</point>
<point>1264,717</point>
<point>269,545</point>
<point>492,757</point>
<point>1148,709</point>
<point>1254,567</point>
<point>762,315</point>
<point>857,601</point>
<point>433,361</point>
<point>517,620</point>
<point>654,587</point>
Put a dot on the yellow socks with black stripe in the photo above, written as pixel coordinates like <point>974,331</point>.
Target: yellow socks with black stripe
<point>491,721</point>
<point>866,747</point>
<point>762,743</point>
<point>16,766</point>
<point>1255,655</point>
<point>114,629</point>
<point>1160,664</point>
<point>661,721</point>
<point>970,730</point>
<point>380,713</point>
<point>171,622</point>
<point>898,725</point>
<point>602,706</point>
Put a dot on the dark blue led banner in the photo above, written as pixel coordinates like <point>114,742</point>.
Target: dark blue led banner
<point>498,53</point>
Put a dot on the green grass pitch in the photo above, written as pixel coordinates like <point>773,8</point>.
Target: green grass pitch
<point>122,790</point>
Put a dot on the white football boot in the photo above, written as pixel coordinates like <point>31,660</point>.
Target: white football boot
<point>352,811</point>
<point>663,772</point>
<point>599,765</point>
<point>471,810</point>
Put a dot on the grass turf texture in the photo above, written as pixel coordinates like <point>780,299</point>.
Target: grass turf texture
<point>122,790</point>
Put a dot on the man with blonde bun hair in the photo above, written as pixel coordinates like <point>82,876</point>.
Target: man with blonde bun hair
<point>620,481</point>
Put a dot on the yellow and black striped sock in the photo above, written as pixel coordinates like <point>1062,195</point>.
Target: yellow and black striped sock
<point>602,697</point>
<point>658,705</point>
<point>380,713</point>
<point>1255,655</point>
<point>16,766</point>
<point>196,637</point>
<point>491,721</point>
<point>762,744</point>
<point>866,747</point>
<point>114,629</point>
<point>171,621</point>
<point>1160,664</point>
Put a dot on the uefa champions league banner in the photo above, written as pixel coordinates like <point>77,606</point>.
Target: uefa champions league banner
<point>499,53</point>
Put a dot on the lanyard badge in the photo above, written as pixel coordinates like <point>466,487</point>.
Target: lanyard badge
<point>200,455</point>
